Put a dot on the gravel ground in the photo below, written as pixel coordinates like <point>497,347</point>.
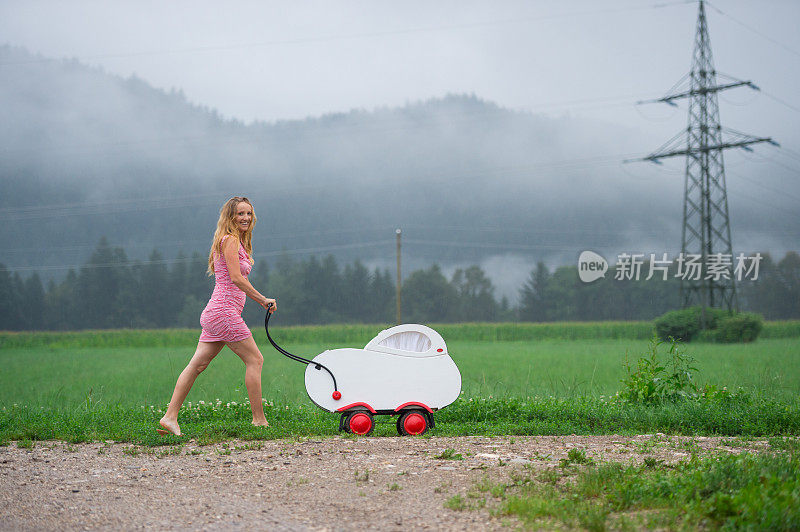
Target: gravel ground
<point>300,484</point>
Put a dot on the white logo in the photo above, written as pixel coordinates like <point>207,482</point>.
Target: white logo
<point>591,266</point>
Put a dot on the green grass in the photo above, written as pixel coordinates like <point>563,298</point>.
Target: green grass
<point>551,386</point>
<point>132,377</point>
<point>220,421</point>
<point>359,334</point>
<point>729,492</point>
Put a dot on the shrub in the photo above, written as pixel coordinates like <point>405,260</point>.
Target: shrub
<point>685,324</point>
<point>654,379</point>
<point>742,327</point>
<point>720,326</point>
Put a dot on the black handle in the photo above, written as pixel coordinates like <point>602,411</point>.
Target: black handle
<point>296,358</point>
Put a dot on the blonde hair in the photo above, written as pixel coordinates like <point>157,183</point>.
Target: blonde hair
<point>226,226</point>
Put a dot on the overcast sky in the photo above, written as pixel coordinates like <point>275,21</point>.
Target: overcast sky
<point>268,61</point>
<point>265,60</point>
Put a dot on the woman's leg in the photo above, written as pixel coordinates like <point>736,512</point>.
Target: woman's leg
<point>205,353</point>
<point>253,361</point>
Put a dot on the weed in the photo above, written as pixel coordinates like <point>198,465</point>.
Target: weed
<point>170,451</point>
<point>653,380</point>
<point>449,454</point>
<point>363,476</point>
<point>442,488</point>
<point>785,444</point>
<point>26,444</point>
<point>575,456</point>
<point>456,502</point>
<point>651,463</point>
<point>394,486</point>
<point>131,451</point>
<point>646,446</point>
<point>550,476</point>
<point>194,452</point>
<point>250,446</point>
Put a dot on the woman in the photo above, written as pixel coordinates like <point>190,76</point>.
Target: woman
<point>230,261</point>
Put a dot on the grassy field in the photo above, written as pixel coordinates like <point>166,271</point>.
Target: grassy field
<point>57,389</point>
<point>132,377</point>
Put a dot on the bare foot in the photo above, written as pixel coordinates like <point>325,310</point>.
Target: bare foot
<point>261,423</point>
<point>170,427</point>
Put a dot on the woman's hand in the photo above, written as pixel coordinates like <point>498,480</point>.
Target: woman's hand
<point>267,302</point>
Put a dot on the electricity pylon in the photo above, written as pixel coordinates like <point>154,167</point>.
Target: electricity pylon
<point>706,223</point>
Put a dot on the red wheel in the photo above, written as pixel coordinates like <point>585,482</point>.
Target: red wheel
<point>360,423</point>
<point>412,423</point>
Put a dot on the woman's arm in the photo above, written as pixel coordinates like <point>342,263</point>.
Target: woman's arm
<point>230,251</point>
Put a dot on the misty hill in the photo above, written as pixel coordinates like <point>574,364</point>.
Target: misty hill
<point>84,154</point>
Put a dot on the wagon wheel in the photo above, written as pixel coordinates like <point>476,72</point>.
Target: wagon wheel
<point>412,423</point>
<point>343,422</point>
<point>359,422</point>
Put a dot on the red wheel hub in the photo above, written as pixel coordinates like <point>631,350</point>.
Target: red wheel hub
<point>360,423</point>
<point>414,424</point>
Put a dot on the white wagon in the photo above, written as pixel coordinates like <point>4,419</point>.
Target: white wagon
<point>404,371</point>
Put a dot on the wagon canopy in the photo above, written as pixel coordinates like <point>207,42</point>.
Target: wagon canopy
<point>415,341</point>
<point>410,339</point>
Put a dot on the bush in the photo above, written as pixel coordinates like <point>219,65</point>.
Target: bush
<point>656,378</point>
<point>742,327</point>
<point>720,326</point>
<point>685,324</point>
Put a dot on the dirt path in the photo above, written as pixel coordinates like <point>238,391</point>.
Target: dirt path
<point>326,484</point>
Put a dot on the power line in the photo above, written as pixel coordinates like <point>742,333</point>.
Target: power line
<point>754,30</point>
<point>186,260</point>
<point>765,187</point>
<point>781,101</point>
<point>129,205</point>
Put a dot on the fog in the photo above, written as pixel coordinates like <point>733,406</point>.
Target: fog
<point>491,137</point>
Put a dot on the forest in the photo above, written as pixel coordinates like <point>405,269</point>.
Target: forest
<point>110,291</point>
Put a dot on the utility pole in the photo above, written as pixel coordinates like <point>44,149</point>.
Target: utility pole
<point>398,286</point>
<point>706,224</point>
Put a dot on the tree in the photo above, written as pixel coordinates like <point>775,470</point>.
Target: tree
<point>9,301</point>
<point>99,285</point>
<point>533,305</point>
<point>476,295</point>
<point>32,303</point>
<point>356,292</point>
<point>61,304</point>
<point>157,303</point>
<point>381,303</point>
<point>788,305</point>
<point>428,297</point>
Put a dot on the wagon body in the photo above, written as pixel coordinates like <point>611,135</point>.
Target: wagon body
<point>383,381</point>
<point>404,371</point>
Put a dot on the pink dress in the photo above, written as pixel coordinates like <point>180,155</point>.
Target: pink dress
<point>222,318</point>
